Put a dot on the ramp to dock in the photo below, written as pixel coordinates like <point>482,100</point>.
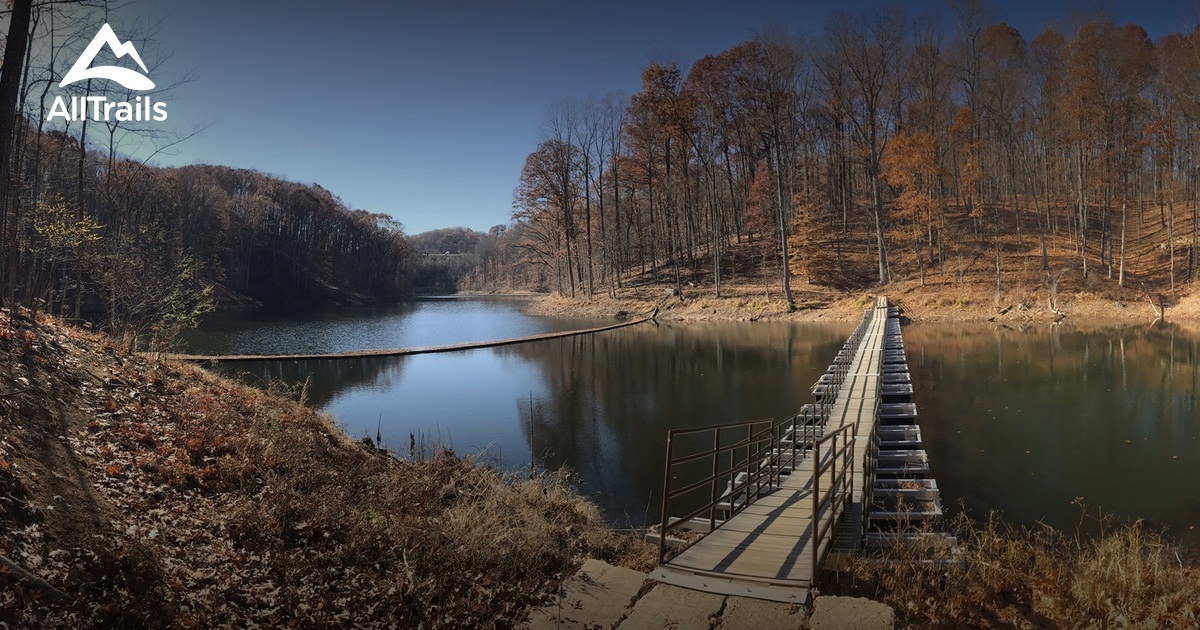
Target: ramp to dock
<point>772,547</point>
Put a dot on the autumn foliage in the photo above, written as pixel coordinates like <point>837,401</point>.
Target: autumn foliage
<point>887,148</point>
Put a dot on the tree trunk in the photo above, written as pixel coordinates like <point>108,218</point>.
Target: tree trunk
<point>1121,267</point>
<point>1082,203</point>
<point>716,231</point>
<point>15,48</point>
<point>782,215</point>
<point>877,194</point>
<point>1171,237</point>
<point>587,216</point>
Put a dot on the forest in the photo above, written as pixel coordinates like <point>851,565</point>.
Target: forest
<point>880,149</point>
<point>89,232</point>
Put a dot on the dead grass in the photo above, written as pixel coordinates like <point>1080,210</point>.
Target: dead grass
<point>1002,576</point>
<point>163,496</point>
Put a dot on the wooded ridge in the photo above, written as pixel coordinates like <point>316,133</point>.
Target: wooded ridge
<point>87,230</point>
<point>881,148</point>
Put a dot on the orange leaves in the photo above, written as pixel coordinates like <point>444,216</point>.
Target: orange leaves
<point>964,121</point>
<point>910,162</point>
<point>910,159</point>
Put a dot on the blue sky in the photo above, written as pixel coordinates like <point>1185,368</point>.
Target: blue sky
<point>426,110</point>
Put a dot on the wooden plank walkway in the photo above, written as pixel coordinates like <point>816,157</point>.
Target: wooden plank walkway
<point>859,398</point>
<point>766,550</point>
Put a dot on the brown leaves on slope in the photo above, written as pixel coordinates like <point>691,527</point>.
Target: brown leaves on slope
<point>159,496</point>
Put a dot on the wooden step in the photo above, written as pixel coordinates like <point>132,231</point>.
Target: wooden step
<point>899,444</point>
<point>907,494</point>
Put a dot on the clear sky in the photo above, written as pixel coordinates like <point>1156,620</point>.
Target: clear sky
<point>426,110</point>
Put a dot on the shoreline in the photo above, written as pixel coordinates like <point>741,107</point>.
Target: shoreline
<point>930,304</point>
<point>169,495</point>
<point>276,490</point>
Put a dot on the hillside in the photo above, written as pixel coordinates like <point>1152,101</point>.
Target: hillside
<point>147,249</point>
<point>959,285</point>
<point>154,495</point>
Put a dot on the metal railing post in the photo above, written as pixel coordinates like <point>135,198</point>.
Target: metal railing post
<point>816,515</point>
<point>833,462</point>
<point>662,529</point>
<point>754,457</point>
<point>854,440</point>
<point>746,468</point>
<point>712,504</point>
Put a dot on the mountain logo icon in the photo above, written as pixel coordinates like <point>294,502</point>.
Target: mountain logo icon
<point>83,71</point>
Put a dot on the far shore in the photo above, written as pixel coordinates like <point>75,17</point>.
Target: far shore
<point>934,303</point>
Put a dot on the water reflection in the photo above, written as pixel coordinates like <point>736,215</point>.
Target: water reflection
<point>601,404</point>
<point>1028,421</point>
<point>426,322</point>
<point>318,382</point>
<point>1019,420</point>
<point>611,398</point>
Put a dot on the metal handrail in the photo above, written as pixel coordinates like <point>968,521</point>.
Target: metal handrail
<point>759,439</point>
<point>837,495</point>
<point>763,450</point>
<point>841,364</point>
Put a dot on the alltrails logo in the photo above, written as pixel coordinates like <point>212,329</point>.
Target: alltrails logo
<point>99,108</point>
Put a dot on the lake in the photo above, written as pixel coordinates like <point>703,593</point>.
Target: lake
<point>1026,422</point>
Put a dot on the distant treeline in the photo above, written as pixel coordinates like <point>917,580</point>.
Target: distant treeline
<point>459,259</point>
<point>113,235</point>
<point>139,245</point>
<point>877,149</point>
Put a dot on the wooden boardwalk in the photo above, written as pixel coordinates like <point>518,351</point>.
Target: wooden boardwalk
<point>764,552</point>
<point>767,550</point>
<point>859,398</point>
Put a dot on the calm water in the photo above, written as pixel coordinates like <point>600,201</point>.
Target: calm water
<point>1019,421</point>
<point>1029,421</point>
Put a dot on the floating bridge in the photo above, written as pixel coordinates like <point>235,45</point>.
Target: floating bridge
<point>762,504</point>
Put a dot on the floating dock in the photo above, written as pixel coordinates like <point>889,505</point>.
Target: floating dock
<point>848,473</point>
